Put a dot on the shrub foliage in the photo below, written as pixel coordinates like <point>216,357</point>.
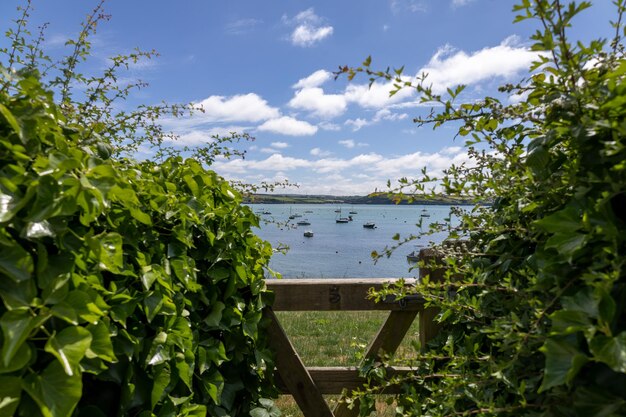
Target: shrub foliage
<point>533,315</point>
<point>127,288</point>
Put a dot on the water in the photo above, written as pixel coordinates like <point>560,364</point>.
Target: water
<point>344,250</point>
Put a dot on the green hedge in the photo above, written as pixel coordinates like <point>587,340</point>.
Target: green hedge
<point>127,288</point>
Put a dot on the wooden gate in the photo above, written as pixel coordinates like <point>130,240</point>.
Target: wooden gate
<point>308,384</point>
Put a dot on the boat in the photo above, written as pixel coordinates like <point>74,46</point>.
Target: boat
<point>308,233</point>
<point>308,211</point>
<point>425,215</point>
<point>304,222</point>
<point>413,256</point>
<point>267,212</point>
<point>338,211</point>
<point>293,216</point>
<point>342,220</point>
<point>353,212</point>
<point>369,225</point>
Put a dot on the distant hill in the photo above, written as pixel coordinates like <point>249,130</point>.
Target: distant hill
<point>352,199</point>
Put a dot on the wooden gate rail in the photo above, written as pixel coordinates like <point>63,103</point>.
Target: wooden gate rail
<point>307,385</point>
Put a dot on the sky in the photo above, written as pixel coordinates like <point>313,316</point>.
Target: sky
<point>266,68</point>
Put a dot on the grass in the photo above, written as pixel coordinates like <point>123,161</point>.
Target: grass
<point>336,339</point>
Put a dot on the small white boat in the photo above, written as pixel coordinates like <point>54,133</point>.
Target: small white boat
<point>308,233</point>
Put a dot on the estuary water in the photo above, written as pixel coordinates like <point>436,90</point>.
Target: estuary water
<point>343,250</point>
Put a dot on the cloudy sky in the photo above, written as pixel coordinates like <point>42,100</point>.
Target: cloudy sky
<point>266,68</point>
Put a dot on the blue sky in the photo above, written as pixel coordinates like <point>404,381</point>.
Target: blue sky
<point>265,68</point>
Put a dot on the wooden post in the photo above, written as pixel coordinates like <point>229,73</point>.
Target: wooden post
<point>428,328</point>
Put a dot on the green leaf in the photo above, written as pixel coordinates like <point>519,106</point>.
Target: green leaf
<point>563,361</point>
<point>16,295</point>
<point>10,119</point>
<point>10,391</point>
<point>162,377</point>
<point>8,207</point>
<point>259,412</point>
<point>585,301</point>
<point>213,384</point>
<point>15,262</point>
<point>214,318</point>
<point>17,326</point>
<point>110,255</point>
<point>69,346</point>
<point>567,219</point>
<point>594,402</point>
<point>566,243</point>
<point>55,392</point>
<point>21,358</point>
<point>610,350</point>
<point>101,345</point>
<point>566,322</point>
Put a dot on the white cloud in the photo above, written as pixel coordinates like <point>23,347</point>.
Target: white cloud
<point>320,104</point>
<point>245,107</point>
<point>199,137</point>
<point>316,79</point>
<point>319,152</point>
<point>386,114</point>
<point>449,67</point>
<point>351,143</point>
<point>310,28</point>
<point>329,126</point>
<point>399,6</point>
<point>461,3</point>
<point>242,26</point>
<point>357,123</point>
<point>288,126</point>
<point>279,145</point>
<point>375,96</point>
<point>382,114</point>
<point>348,143</point>
<point>358,175</point>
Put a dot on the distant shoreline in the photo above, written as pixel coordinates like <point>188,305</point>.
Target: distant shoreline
<point>371,199</point>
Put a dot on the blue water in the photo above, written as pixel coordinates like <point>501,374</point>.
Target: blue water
<point>344,250</point>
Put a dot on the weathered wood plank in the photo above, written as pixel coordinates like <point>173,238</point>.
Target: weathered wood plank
<point>333,379</point>
<point>335,294</point>
<point>391,334</point>
<point>293,373</point>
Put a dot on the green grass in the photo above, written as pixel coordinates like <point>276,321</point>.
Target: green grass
<point>336,339</point>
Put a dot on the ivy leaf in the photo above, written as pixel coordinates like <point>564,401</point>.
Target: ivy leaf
<point>8,207</point>
<point>15,262</point>
<point>566,243</point>
<point>17,325</point>
<point>55,392</point>
<point>566,219</point>
<point>610,350</point>
<point>590,402</point>
<point>10,391</point>
<point>21,358</point>
<point>69,346</point>
<point>10,119</point>
<point>109,252</point>
<point>101,345</point>
<point>563,361</point>
<point>162,377</point>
